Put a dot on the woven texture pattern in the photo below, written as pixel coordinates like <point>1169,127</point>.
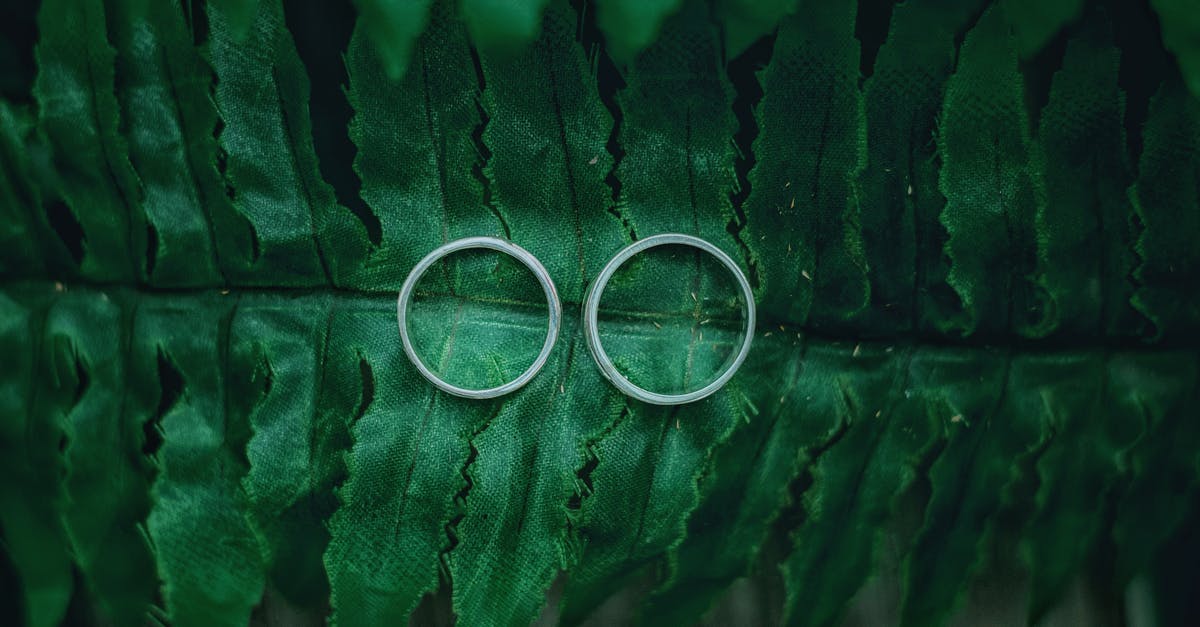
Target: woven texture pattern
<point>971,228</point>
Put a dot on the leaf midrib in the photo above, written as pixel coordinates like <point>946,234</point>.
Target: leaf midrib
<point>769,325</point>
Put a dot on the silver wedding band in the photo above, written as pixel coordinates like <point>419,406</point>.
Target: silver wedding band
<point>591,308</point>
<point>490,243</point>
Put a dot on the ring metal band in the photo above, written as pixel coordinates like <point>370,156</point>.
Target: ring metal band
<point>591,309</point>
<point>491,243</point>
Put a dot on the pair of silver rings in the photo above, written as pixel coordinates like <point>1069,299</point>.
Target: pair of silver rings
<point>591,309</point>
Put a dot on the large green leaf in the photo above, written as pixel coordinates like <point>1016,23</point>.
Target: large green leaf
<point>1036,22</point>
<point>991,195</point>
<point>164,101</point>
<point>416,157</point>
<point>852,491</point>
<point>21,243</point>
<point>902,235</point>
<point>1181,35</point>
<point>1087,227</point>
<point>974,371</point>
<point>79,117</point>
<point>277,353</point>
<point>990,431</point>
<point>802,214</point>
<point>754,468</point>
<point>675,91</point>
<point>409,448</point>
<point>546,134</point>
<point>631,26</point>
<point>208,558</point>
<point>394,28</point>
<point>1078,472</point>
<point>503,24</point>
<point>107,489</point>
<point>1144,518</point>
<point>1164,198</point>
<point>262,98</point>
<point>33,428</point>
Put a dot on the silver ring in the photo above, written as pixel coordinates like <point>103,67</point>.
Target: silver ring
<point>503,246</point>
<point>591,309</point>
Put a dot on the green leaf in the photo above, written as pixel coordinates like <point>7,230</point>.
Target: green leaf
<point>1165,198</point>
<point>1181,35</point>
<point>31,495</point>
<point>1036,22</point>
<point>677,170</point>
<point>416,154</point>
<point>1086,231</point>
<point>747,20</point>
<point>802,212</point>
<point>898,188</point>
<point>515,538</point>
<point>546,135</point>
<point>747,485</point>
<point>880,397</point>
<point>185,123</point>
<point>504,24</point>
<point>1080,471</point>
<point>987,385</point>
<point>164,101</point>
<point>547,132</point>
<point>240,13</point>
<point>658,454</point>
<point>416,158</point>
<point>208,559</point>
<point>1161,464</point>
<point>657,461</point>
<point>394,26</point>
<point>278,353</point>
<point>21,239</point>
<point>107,488</point>
<point>631,26</point>
<point>78,115</point>
<point>994,411</point>
<point>270,165</point>
<point>410,444</point>
<point>991,196</point>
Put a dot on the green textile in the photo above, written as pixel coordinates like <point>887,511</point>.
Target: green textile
<point>970,228</point>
